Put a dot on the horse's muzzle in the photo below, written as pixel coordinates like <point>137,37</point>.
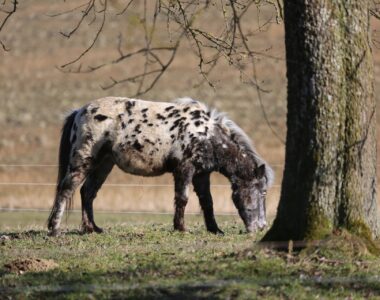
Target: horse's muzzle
<point>256,226</point>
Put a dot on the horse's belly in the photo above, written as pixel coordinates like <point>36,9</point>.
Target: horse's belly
<point>138,163</point>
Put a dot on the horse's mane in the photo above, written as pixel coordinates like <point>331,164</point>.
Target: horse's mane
<point>231,128</point>
<point>241,138</point>
<point>190,101</point>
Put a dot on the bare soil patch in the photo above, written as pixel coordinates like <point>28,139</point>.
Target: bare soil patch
<point>22,265</point>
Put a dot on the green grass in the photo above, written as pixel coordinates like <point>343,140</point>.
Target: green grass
<point>140,256</point>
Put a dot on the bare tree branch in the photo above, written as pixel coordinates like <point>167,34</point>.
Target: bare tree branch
<point>91,6</point>
<point>8,11</point>
<point>375,12</point>
<point>67,11</point>
<point>126,7</point>
<point>375,9</point>
<point>230,44</point>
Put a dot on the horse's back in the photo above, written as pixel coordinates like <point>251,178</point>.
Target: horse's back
<point>144,135</point>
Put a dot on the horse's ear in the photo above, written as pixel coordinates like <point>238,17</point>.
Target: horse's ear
<point>260,171</point>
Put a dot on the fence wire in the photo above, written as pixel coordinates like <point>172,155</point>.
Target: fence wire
<point>110,185</point>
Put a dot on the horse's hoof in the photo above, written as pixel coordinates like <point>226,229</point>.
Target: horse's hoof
<point>86,229</point>
<point>54,232</point>
<point>180,229</point>
<point>98,229</point>
<point>220,232</point>
<point>216,231</point>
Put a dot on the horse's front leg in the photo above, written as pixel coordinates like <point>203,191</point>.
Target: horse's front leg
<point>182,179</point>
<point>201,184</point>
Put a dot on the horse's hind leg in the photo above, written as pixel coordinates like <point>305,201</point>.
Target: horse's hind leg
<point>93,183</point>
<point>65,190</point>
<point>182,179</point>
<point>201,184</point>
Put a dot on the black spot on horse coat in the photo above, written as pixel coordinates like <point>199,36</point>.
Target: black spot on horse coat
<point>100,117</point>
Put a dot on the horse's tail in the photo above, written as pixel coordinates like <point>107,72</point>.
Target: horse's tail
<point>65,148</point>
<point>64,157</point>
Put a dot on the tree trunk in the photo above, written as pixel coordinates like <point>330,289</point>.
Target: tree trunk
<point>330,168</point>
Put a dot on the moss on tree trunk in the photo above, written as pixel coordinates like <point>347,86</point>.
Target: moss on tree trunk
<point>330,168</point>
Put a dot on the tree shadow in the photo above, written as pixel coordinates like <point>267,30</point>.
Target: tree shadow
<point>120,284</point>
<point>367,287</point>
<point>114,285</point>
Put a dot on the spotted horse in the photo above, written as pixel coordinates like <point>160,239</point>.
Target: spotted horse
<point>146,138</point>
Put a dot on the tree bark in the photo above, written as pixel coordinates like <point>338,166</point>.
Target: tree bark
<point>330,168</point>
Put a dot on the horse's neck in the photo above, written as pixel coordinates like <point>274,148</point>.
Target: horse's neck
<point>232,160</point>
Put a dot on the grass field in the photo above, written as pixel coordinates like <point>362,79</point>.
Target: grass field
<point>140,256</point>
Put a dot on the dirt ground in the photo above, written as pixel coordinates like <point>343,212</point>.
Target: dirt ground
<point>35,96</point>
<point>22,265</point>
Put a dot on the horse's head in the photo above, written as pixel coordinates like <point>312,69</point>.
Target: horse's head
<point>249,198</point>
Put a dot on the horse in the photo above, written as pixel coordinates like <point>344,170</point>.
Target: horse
<point>184,137</point>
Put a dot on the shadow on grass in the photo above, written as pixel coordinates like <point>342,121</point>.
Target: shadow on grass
<point>367,287</point>
<point>115,285</point>
<point>118,285</point>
